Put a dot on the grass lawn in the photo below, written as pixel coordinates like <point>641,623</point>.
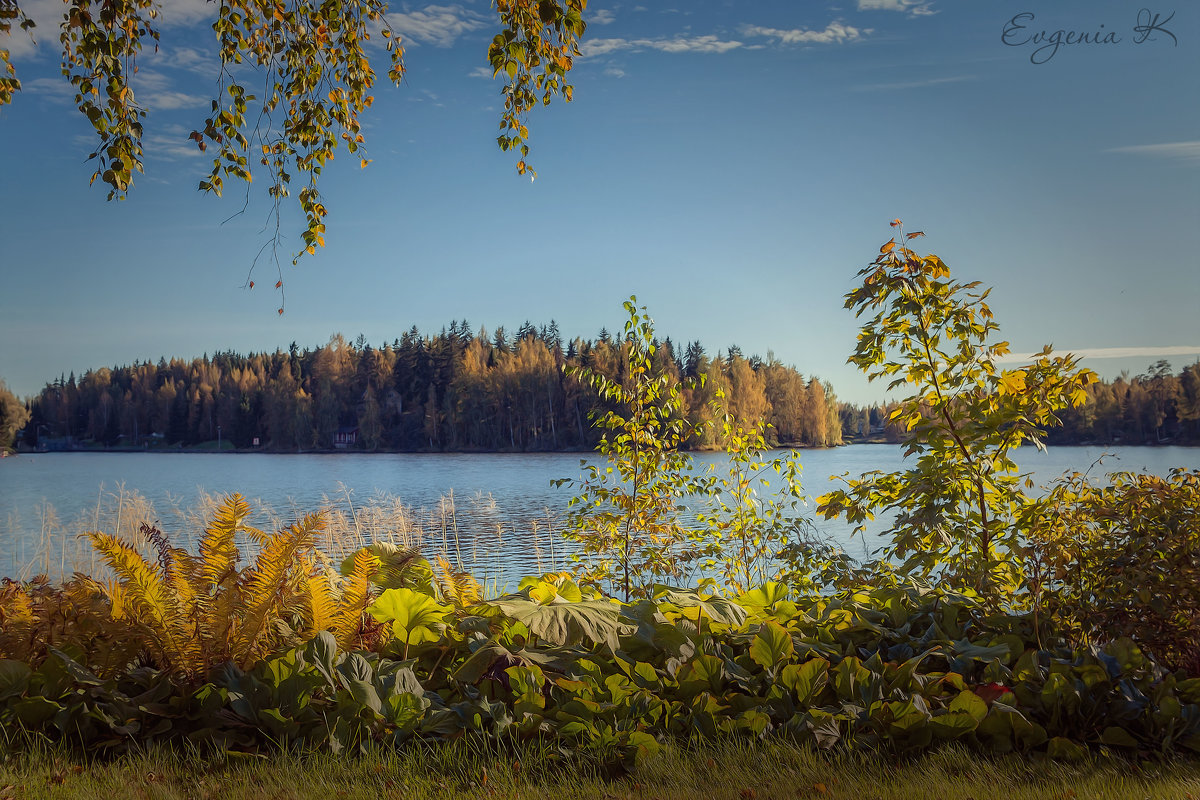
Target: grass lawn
<point>737,771</point>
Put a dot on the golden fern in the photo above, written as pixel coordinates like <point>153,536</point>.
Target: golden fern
<point>458,588</point>
<point>322,598</point>
<point>218,547</point>
<point>268,586</point>
<point>356,596</point>
<point>150,597</point>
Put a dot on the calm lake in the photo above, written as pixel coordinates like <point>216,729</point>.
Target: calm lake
<point>496,513</point>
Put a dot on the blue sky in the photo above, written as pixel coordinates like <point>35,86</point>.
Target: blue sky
<point>732,164</point>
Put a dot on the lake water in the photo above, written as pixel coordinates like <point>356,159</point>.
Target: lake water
<point>496,513</point>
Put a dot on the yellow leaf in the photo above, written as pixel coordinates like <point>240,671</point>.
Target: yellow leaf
<point>1012,382</point>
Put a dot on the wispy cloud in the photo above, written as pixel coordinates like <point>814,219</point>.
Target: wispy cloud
<point>170,143</point>
<point>914,8</point>
<point>47,14</point>
<point>156,92</point>
<point>482,72</point>
<point>1114,352</point>
<point>601,16</point>
<point>437,25</point>
<point>614,72</point>
<point>834,33</point>
<point>678,44</point>
<point>919,84</point>
<point>53,89</point>
<point>1188,152</point>
<point>191,60</point>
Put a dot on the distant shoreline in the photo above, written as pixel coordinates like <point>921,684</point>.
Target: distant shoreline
<point>355,451</point>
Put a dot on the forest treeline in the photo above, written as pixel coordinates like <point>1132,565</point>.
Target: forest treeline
<point>459,390</point>
<point>1157,407</point>
<point>456,390</point>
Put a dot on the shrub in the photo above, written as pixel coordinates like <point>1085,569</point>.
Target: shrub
<point>955,508</point>
<point>1123,560</point>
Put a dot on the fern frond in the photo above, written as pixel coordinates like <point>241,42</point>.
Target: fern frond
<point>148,596</point>
<point>174,563</point>
<point>218,548</point>
<point>322,599</point>
<point>356,596</point>
<point>16,607</point>
<point>264,589</point>
<point>458,588</point>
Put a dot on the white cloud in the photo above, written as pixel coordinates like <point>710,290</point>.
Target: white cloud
<point>170,100</point>
<point>679,44</point>
<point>1188,152</point>
<point>919,84</point>
<point>156,92</point>
<point>482,72</point>
<point>192,60</point>
<point>834,33</point>
<point>614,72</point>
<point>169,143</point>
<point>1112,352</point>
<point>914,8</point>
<point>53,89</point>
<point>437,25</point>
<point>601,16</point>
<point>47,14</point>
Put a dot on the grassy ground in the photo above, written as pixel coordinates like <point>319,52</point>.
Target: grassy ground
<point>733,771</point>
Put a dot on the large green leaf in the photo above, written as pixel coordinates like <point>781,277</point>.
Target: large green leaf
<point>807,680</point>
<point>772,646</point>
<point>764,596</point>
<point>415,617</point>
<point>717,609</point>
<point>14,677</point>
<point>563,623</point>
<point>969,703</point>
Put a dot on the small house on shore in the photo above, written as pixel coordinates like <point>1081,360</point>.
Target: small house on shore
<point>346,436</point>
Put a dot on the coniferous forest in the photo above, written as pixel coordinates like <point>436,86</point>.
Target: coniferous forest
<point>460,390</point>
<point>456,390</point>
<point>464,391</point>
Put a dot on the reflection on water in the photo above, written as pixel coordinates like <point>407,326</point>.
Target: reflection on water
<point>496,514</point>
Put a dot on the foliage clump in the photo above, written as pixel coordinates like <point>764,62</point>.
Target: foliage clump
<point>626,516</point>
<point>1123,559</point>
<point>955,509</point>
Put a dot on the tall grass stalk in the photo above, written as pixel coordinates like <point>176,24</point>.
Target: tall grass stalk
<point>474,536</point>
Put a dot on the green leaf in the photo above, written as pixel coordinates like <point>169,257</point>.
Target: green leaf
<point>563,623</point>
<point>772,646</point>
<point>1063,749</point>
<point>415,617</point>
<point>1118,737</point>
<point>807,680</point>
<point>14,677</point>
<point>953,725</point>
<point>969,703</point>
<point>33,712</point>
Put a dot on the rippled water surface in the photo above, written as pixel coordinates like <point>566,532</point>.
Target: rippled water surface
<point>497,512</point>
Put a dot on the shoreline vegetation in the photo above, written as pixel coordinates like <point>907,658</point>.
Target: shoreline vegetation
<point>229,449</point>
<point>996,632</point>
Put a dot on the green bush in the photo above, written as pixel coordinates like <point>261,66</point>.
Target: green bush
<point>1123,560</point>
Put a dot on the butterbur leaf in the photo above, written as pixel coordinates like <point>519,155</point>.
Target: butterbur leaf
<point>772,646</point>
<point>969,703</point>
<point>415,617</point>
<point>1118,737</point>
<point>1063,749</point>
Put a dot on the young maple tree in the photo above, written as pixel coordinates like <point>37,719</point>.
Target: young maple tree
<point>955,507</point>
